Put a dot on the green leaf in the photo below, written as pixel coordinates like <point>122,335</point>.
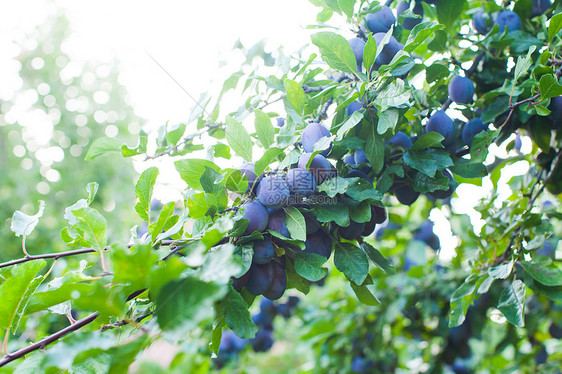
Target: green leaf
<point>364,293</point>
<point>428,140</point>
<point>143,190</point>
<point>422,183</point>
<point>237,315</point>
<point>460,301</point>
<point>295,223</point>
<point>267,159</point>
<point>338,213</point>
<point>92,189</point>
<point>449,11</point>
<point>264,128</point>
<point>387,120</point>
<point>512,303</point>
<point>549,87</point>
<point>309,266</point>
<point>16,291</point>
<point>102,146</point>
<point>501,271</point>
<point>175,133</point>
<point>349,123</point>
<point>186,302</point>
<point>202,204</point>
<point>420,33</point>
<point>369,52</point>
<point>337,185</point>
<point>523,64</point>
<point>363,190</point>
<point>165,214</point>
<point>295,95</point>
<point>190,171</point>
<point>378,259</point>
<point>220,265</point>
<point>133,265</point>
<point>294,280</point>
<point>394,94</point>
<point>436,71</point>
<point>22,224</point>
<point>346,6</point>
<point>428,161</point>
<point>543,270</point>
<point>554,26</point>
<point>238,139</point>
<point>352,261</point>
<point>336,51</point>
<point>93,227</point>
<point>374,149</point>
<point>480,144</point>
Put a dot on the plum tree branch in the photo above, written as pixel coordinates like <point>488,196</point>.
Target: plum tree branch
<point>57,255</point>
<point>49,339</point>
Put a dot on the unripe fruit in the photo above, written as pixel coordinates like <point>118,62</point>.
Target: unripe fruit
<point>461,90</point>
<point>380,21</point>
<point>441,123</point>
<point>257,216</point>
<point>311,134</point>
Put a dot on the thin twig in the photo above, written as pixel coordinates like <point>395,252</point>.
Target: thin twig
<point>48,340</point>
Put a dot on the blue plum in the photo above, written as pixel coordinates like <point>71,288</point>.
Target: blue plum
<point>257,216</point>
<point>481,21</point>
<point>312,224</point>
<point>556,111</point>
<point>230,342</point>
<point>548,249</point>
<point>260,278</point>
<point>301,182</point>
<point>352,231</point>
<point>461,90</point>
<point>472,127</point>
<point>425,234</point>
<point>555,331</point>
<point>239,283</point>
<point>539,7</point>
<point>280,122</point>
<point>353,107</point>
<point>349,159</point>
<point>380,21</point>
<point>388,52</point>
<point>311,134</point>
<point>378,213</point>
<point>319,243</point>
<point>400,140</point>
<point>406,194</point>
<point>278,283</point>
<point>357,45</point>
<point>263,341</point>
<point>277,223</point>
<point>355,173</point>
<point>386,228</point>
<point>441,123</point>
<point>264,250</point>
<point>273,192</point>
<point>263,320</point>
<point>248,169</point>
<point>410,22</point>
<point>508,19</point>
<point>360,157</point>
<point>319,167</point>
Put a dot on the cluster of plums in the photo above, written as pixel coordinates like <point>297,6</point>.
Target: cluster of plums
<point>506,19</point>
<point>231,344</point>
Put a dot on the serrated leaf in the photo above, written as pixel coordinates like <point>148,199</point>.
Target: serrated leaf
<point>237,315</point>
<point>427,140</point>
<point>143,190</point>
<point>554,26</point>
<point>428,161</point>
<point>133,265</point>
<point>336,51</point>
<point>295,223</point>
<point>175,133</point>
<point>422,183</point>
<point>102,146</point>
<point>512,303</point>
<point>543,270</point>
<point>190,171</point>
<point>264,128</point>
<point>460,301</point>
<point>387,120</point>
<point>378,259</point>
<point>501,271</point>
<point>239,139</point>
<point>93,226</point>
<point>352,261</point>
<point>420,33</point>
<point>186,302</point>
<point>295,95</point>
<point>523,64</point>
<point>338,213</point>
<point>16,291</point>
<point>22,224</point>
<point>349,123</point>
<point>549,87</point>
<point>92,189</point>
<point>309,266</point>
<point>480,144</point>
